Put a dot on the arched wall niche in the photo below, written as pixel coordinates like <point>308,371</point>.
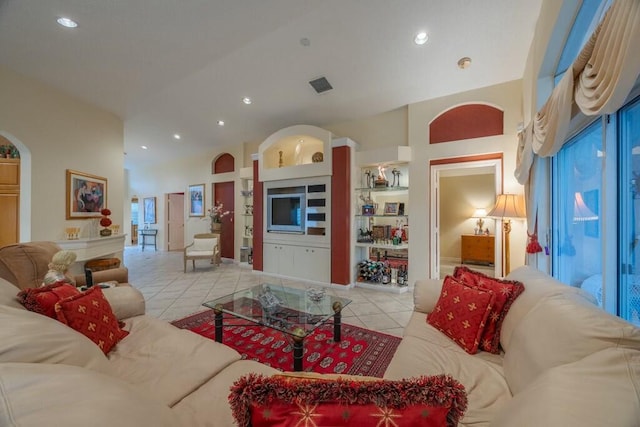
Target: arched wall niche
<point>224,163</point>
<point>466,122</point>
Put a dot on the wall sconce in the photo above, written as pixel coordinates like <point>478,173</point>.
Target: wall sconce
<point>480,214</point>
<point>508,206</point>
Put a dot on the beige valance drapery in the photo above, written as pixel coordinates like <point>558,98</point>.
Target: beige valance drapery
<point>598,82</point>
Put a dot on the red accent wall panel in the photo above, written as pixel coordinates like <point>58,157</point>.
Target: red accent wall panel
<point>258,201</point>
<point>466,122</point>
<point>224,163</point>
<point>224,192</point>
<point>340,216</point>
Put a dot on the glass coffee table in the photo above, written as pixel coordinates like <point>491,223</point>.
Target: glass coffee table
<point>295,312</point>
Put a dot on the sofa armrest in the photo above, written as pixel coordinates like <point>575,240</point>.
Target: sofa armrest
<point>126,301</point>
<point>426,294</point>
<point>120,275</point>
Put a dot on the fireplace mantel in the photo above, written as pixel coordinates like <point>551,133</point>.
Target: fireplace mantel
<point>92,248</point>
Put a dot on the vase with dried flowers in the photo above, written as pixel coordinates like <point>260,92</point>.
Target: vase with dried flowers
<point>105,222</point>
<point>215,214</point>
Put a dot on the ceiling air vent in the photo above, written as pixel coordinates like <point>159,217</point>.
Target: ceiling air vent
<point>321,85</point>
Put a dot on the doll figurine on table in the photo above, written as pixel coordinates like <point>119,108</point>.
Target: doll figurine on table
<point>58,268</point>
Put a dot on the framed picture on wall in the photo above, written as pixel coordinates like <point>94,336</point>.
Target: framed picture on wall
<point>196,200</point>
<point>149,210</point>
<point>86,195</point>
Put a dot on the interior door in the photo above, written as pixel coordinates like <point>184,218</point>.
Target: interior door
<point>224,192</point>
<point>175,221</point>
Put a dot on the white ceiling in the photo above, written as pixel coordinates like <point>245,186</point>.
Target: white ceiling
<point>167,66</point>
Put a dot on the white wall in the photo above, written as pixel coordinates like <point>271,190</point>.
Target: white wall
<point>58,132</point>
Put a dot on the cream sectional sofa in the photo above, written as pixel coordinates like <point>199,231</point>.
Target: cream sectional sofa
<point>565,361</point>
<point>156,376</point>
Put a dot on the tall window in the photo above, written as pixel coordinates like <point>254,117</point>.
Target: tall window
<point>596,212</point>
<point>577,198</point>
<point>629,217</point>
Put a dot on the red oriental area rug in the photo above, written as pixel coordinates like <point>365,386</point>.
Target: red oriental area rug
<point>360,352</point>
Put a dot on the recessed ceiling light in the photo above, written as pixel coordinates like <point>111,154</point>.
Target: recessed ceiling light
<point>67,22</point>
<point>144,147</point>
<point>464,62</point>
<point>220,122</point>
<point>421,38</point>
<point>305,42</point>
<point>247,100</point>
<point>176,136</point>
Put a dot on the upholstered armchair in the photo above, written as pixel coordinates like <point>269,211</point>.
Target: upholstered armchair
<point>204,246</point>
<point>25,264</point>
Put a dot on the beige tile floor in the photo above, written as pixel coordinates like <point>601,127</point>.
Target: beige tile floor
<point>171,294</point>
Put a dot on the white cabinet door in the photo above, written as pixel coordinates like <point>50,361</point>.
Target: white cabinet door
<point>313,263</point>
<point>270,256</point>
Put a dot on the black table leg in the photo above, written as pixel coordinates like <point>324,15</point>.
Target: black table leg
<point>337,321</point>
<point>218,323</point>
<point>298,350</point>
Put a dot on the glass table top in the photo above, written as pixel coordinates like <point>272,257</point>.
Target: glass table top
<point>297,312</point>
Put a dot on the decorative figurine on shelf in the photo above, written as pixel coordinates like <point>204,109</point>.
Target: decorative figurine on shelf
<point>105,222</point>
<point>369,176</point>
<point>396,177</point>
<point>365,236</point>
<point>381,180</point>
<point>280,161</point>
<point>58,268</point>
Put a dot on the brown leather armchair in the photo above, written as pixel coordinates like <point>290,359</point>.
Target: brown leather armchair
<point>25,264</point>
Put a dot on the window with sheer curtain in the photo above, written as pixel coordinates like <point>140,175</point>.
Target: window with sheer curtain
<point>596,211</point>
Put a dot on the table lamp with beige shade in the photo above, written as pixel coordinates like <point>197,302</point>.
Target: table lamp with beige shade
<point>508,207</point>
<point>480,214</point>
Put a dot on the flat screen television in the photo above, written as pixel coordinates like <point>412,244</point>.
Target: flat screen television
<point>285,213</point>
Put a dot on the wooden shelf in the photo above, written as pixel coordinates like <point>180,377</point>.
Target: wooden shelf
<point>383,245</point>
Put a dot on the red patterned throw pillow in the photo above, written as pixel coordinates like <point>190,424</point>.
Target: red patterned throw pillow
<point>43,300</point>
<point>506,292</point>
<point>90,314</point>
<point>461,313</point>
<point>261,401</point>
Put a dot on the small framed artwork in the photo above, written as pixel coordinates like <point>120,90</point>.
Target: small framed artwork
<point>391,208</point>
<point>149,210</point>
<point>196,200</point>
<point>86,195</point>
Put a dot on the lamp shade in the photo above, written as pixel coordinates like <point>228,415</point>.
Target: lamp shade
<point>480,213</point>
<point>508,206</point>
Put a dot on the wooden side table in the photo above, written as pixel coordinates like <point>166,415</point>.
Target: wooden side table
<point>148,233</point>
<point>477,249</point>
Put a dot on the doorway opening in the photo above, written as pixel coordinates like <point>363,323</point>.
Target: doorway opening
<point>459,187</point>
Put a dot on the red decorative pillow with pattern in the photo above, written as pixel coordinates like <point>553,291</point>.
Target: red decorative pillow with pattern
<point>260,401</point>
<point>90,314</point>
<point>43,300</point>
<point>506,292</point>
<point>461,313</point>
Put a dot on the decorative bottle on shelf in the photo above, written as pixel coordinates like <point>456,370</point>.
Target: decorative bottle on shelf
<point>386,270</point>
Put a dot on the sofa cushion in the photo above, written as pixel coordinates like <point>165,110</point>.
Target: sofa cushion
<point>461,313</point>
<point>33,338</point>
<point>37,394</point>
<point>426,294</point>
<point>8,295</point>
<point>506,291</point>
<point>165,362</point>
<point>43,299</point>
<point>599,390</point>
<point>434,353</point>
<point>203,245</point>
<point>211,400</point>
<point>258,400</point>
<point>125,301</point>
<point>90,314</point>
<point>562,329</point>
<point>538,285</point>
